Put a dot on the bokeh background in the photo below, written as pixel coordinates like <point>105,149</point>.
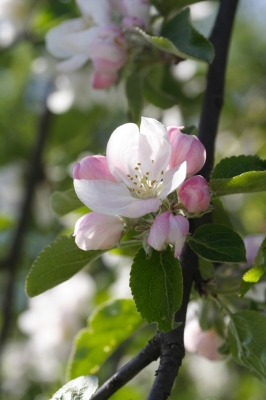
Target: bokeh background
<point>76,120</point>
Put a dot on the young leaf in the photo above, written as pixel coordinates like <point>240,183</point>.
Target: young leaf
<point>247,341</point>
<point>190,130</point>
<point>134,92</point>
<point>179,38</point>
<point>186,39</point>
<point>248,182</point>
<point>64,202</point>
<point>156,96</point>
<point>218,243</point>
<point>234,166</point>
<point>166,6</point>
<point>254,274</point>
<point>157,288</point>
<point>56,264</point>
<point>109,325</point>
<point>81,388</point>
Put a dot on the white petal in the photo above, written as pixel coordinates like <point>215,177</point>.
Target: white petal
<point>56,38</point>
<point>159,231</point>
<point>99,10</point>
<point>154,155</point>
<point>150,126</point>
<point>122,153</point>
<point>73,63</point>
<point>173,179</point>
<point>112,198</point>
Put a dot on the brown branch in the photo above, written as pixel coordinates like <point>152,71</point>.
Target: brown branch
<point>10,264</point>
<point>148,354</point>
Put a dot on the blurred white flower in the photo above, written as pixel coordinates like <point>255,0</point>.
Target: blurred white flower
<point>13,16</point>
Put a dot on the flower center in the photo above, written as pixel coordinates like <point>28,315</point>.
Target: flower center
<point>143,185</point>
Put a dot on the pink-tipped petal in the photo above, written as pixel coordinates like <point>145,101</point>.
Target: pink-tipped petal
<point>173,179</point>
<point>93,168</point>
<point>96,231</point>
<point>186,148</point>
<point>178,230</point>
<point>101,80</point>
<point>112,198</point>
<point>159,231</point>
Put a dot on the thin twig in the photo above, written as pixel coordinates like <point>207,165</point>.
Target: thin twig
<point>148,354</point>
<point>10,264</point>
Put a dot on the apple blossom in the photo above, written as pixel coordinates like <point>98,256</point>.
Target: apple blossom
<point>140,177</point>
<point>168,229</point>
<point>203,343</point>
<point>96,231</point>
<point>97,36</point>
<point>186,148</point>
<point>195,194</point>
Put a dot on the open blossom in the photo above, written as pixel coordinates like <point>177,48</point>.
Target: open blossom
<point>134,179</point>
<point>168,229</point>
<point>97,36</point>
<point>195,194</point>
<point>203,343</point>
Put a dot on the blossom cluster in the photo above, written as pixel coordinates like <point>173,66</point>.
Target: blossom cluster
<point>145,182</point>
<point>99,35</point>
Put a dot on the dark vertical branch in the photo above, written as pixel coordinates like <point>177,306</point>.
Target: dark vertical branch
<point>172,343</point>
<point>9,266</point>
<point>214,94</point>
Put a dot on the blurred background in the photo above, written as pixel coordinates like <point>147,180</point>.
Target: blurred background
<point>58,119</point>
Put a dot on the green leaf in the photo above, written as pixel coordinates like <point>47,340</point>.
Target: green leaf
<point>247,341</point>
<point>254,274</point>
<point>190,130</point>
<point>64,202</point>
<point>56,264</point>
<point>248,182</point>
<point>81,388</point>
<point>157,287</point>
<point>186,39</point>
<point>153,92</point>
<point>134,93</point>
<point>166,6</point>
<point>218,243</point>
<point>109,325</point>
<point>234,166</point>
<point>182,40</point>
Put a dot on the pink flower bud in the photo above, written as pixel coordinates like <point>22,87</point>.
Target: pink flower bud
<point>186,148</point>
<point>195,194</point>
<point>168,229</point>
<point>203,343</point>
<point>96,231</point>
<point>252,244</point>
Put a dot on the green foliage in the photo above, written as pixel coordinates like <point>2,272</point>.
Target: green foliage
<point>234,166</point>
<point>81,388</point>
<point>109,325</point>
<point>179,38</point>
<point>254,274</point>
<point>134,92</point>
<point>157,288</point>
<point>218,243</point>
<point>56,264</point>
<point>190,130</point>
<point>64,202</point>
<point>248,182</point>
<point>153,88</point>
<point>167,6</point>
<point>247,341</point>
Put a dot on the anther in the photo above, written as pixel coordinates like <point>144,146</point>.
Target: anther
<point>135,183</point>
<point>128,176</point>
<point>131,179</point>
<point>162,172</point>
<point>152,161</point>
<point>136,176</point>
<point>136,168</point>
<point>147,173</point>
<point>138,163</point>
